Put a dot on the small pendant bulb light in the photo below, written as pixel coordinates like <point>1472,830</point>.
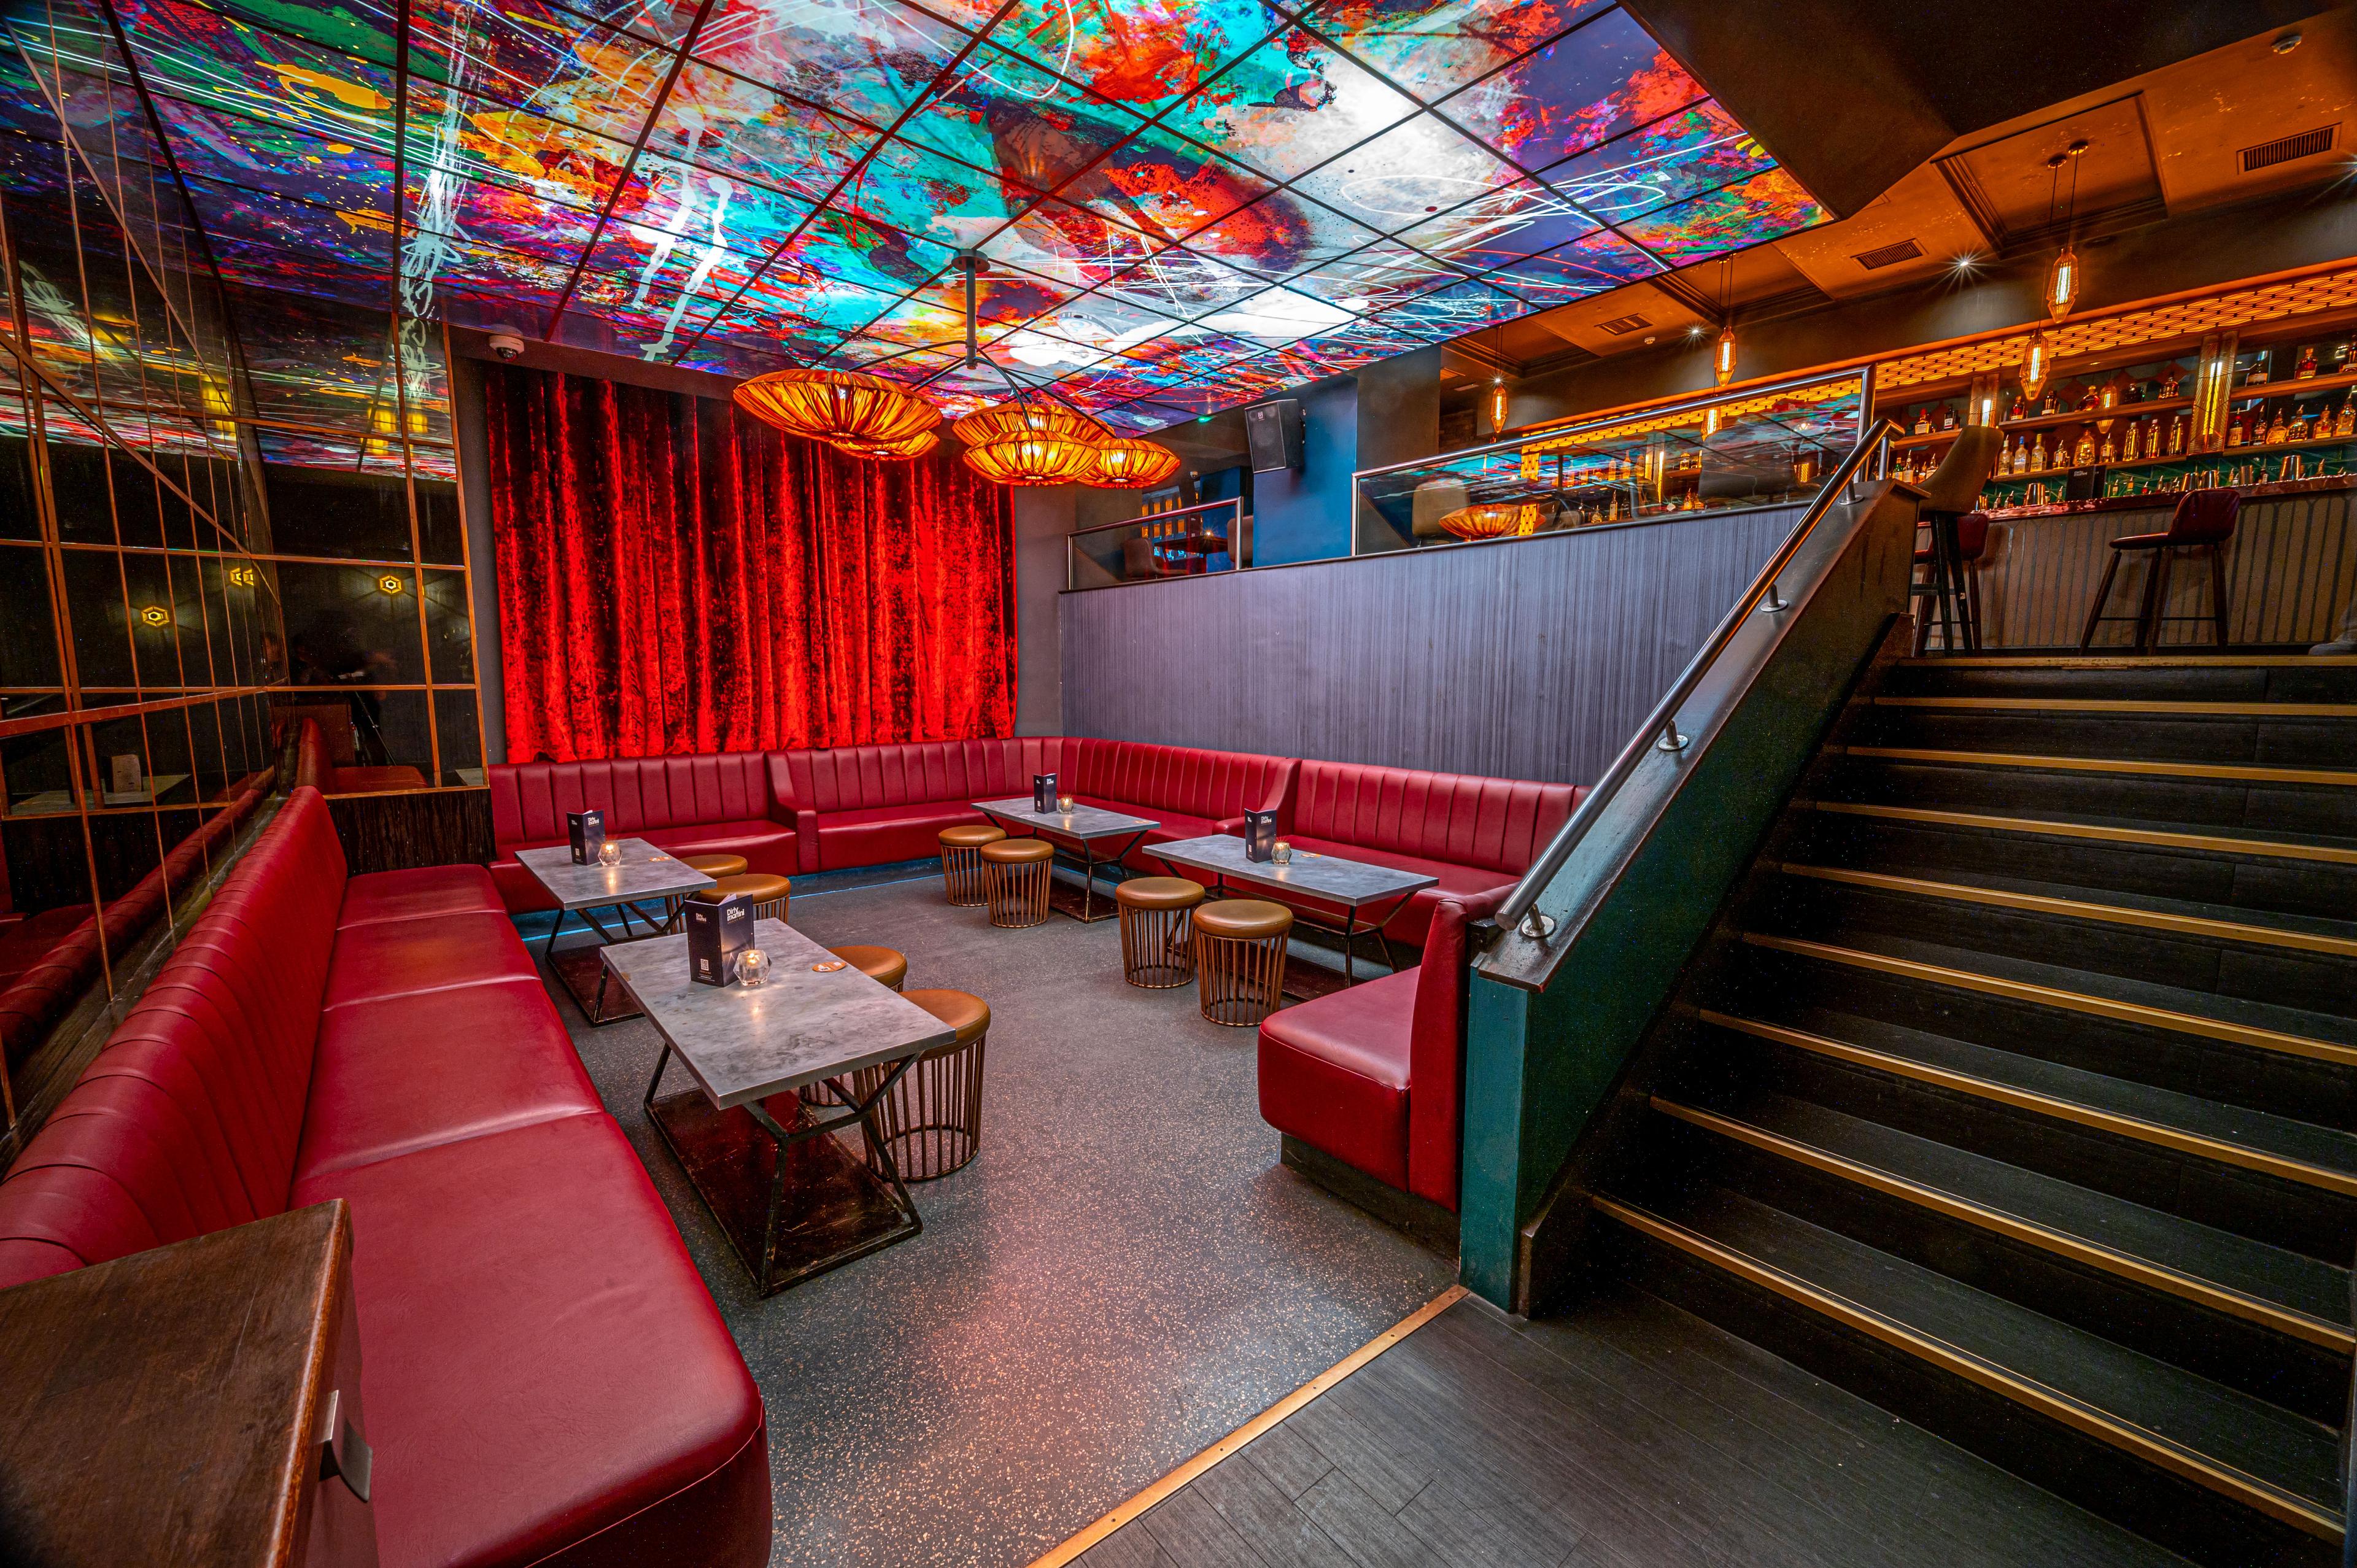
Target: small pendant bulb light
<point>2035,365</point>
<point>2063,278</point>
<point>1722,363</point>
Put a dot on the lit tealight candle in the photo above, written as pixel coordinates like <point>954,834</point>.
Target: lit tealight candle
<point>752,969</point>
<point>610,854</point>
<point>1064,804</point>
<point>1281,853</point>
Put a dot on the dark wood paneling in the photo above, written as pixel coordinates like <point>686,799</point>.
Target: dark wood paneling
<point>424,827</point>
<point>1534,659</point>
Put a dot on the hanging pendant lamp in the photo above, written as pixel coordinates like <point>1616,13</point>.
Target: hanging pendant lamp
<point>1491,519</point>
<point>836,405</point>
<point>1124,463</point>
<point>2035,366</point>
<point>1044,459</point>
<point>916,445</point>
<point>1030,415</point>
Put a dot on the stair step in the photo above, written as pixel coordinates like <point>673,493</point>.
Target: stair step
<point>2125,707</point>
<point>2230,1020</point>
<point>2211,922</point>
<point>2124,831</point>
<point>2264,735</point>
<point>2269,1286</point>
<point>2278,1465</point>
<point>2183,677</point>
<point>2132,767</point>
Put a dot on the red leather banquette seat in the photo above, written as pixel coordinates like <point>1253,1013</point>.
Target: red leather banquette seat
<point>545,1378</point>
<point>725,803</point>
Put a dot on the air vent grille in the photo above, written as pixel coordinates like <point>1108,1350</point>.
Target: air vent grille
<point>1887,255</point>
<point>2282,149</point>
<point>1620,327</point>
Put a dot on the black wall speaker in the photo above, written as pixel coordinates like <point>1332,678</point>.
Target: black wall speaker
<point>1273,431</point>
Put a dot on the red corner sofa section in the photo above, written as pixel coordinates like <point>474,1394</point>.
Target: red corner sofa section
<point>545,1378</point>
<point>314,766</point>
<point>725,803</point>
<point>1374,1076</point>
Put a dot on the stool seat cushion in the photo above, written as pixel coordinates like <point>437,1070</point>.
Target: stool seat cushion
<point>882,965</point>
<point>1243,918</point>
<point>1019,852</point>
<point>761,887</point>
<point>717,865</point>
<point>1159,893</point>
<point>971,836</point>
<point>967,1013</point>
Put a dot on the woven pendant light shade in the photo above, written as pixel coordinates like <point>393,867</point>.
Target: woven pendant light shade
<point>836,405</point>
<point>1029,415</point>
<point>916,445</point>
<point>1123,464</point>
<point>1493,520</point>
<point>1033,460</point>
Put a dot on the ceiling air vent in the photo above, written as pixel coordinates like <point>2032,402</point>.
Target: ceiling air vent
<point>2282,149</point>
<point>1887,255</point>
<point>1620,327</point>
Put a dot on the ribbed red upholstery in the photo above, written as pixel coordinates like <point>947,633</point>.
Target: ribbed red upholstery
<point>723,803</point>
<point>1189,792</point>
<point>1475,834</point>
<point>531,1399</point>
<point>872,805</point>
<point>1374,1075</point>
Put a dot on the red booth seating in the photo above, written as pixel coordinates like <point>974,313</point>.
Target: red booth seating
<point>546,1380</point>
<point>725,803</point>
<point>315,768</point>
<point>1189,792</point>
<point>1374,1075</point>
<point>872,805</point>
<point>1475,834</point>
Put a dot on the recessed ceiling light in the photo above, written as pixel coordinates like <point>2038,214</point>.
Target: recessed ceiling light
<point>1694,331</point>
<point>2286,44</point>
<point>1967,262</point>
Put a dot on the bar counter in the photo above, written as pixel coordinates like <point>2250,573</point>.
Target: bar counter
<point>2291,568</point>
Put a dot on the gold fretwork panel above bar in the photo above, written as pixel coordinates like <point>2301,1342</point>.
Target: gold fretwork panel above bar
<point>2164,323</point>
<point>1687,416</point>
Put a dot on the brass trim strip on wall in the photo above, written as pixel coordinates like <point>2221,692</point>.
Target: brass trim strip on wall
<point>2163,1453</point>
<point>2078,909</point>
<point>2128,706</point>
<point>2126,1265</point>
<point>1177,1479</point>
<point>2151,838</point>
<point>2224,772</point>
<point>2142,1132</point>
<point>2070,1000</point>
<point>2136,661</point>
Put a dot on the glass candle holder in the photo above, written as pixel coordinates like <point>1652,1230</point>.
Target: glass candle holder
<point>752,969</point>
<point>1281,853</point>
<point>1064,804</point>
<point>610,854</point>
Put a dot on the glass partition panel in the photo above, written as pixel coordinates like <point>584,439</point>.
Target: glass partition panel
<point>1180,541</point>
<point>1758,447</point>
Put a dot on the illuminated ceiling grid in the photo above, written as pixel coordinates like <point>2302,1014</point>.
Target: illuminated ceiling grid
<point>1182,206</point>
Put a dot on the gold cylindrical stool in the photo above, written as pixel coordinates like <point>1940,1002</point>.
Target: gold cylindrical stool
<point>1156,947</point>
<point>932,1119</point>
<point>962,877</point>
<point>716,866</point>
<point>882,965</point>
<point>767,890</point>
<point>1015,879</point>
<point>1240,959</point>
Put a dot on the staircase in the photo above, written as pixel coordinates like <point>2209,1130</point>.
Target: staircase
<point>2021,1094</point>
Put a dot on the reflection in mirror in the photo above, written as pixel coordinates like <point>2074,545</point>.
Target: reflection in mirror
<point>459,731</point>
<point>449,639</point>
<point>351,625</point>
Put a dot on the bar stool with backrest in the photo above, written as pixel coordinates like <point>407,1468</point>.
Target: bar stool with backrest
<point>1951,491</point>
<point>2205,519</point>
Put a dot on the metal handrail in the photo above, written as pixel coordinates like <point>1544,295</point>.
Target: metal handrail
<point>1234,501</point>
<point>1652,411</point>
<point>1660,731</point>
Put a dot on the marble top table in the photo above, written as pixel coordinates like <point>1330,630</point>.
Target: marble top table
<point>1328,878</point>
<point>646,873</point>
<point>793,1201</point>
<point>1084,825</point>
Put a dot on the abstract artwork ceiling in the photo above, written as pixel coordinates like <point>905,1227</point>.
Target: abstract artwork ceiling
<point>1178,205</point>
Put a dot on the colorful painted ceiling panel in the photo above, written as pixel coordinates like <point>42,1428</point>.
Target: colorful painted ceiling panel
<point>1178,204</point>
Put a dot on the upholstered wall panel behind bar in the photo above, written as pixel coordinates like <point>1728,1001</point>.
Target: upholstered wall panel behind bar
<point>1534,659</point>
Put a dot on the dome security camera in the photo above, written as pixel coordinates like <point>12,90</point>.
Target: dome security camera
<point>507,343</point>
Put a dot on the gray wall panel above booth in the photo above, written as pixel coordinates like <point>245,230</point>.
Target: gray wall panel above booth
<point>1529,659</point>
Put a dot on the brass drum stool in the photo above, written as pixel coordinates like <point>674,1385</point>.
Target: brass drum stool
<point>1015,875</point>
<point>768,891</point>
<point>716,866</point>
<point>962,877</point>
<point>1240,959</point>
<point>932,1119</point>
<point>882,965</point>
<point>1156,946</point>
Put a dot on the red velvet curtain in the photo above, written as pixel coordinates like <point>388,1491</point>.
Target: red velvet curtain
<point>677,577</point>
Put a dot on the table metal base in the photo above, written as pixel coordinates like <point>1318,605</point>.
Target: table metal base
<point>584,976</point>
<point>791,1200</point>
<point>1082,904</point>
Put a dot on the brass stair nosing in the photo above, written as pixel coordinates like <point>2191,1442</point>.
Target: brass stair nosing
<point>2129,661</point>
<point>2220,1299</point>
<point>2150,838</point>
<point>2156,708</point>
<point>2160,1135</point>
<point>2221,772</point>
<point>2162,1453</point>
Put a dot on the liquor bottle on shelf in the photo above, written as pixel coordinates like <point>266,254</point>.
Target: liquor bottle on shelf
<point>2275,436</point>
<point>2107,455</point>
<point>2021,410</point>
<point>2172,379</point>
<point>2258,373</point>
<point>2177,436</point>
<point>1922,420</point>
<point>2084,453</point>
<point>2236,432</point>
<point>2131,443</point>
<point>2020,463</point>
<point>2049,405</point>
<point>2037,456</point>
<point>1947,417</point>
<point>2345,422</point>
<point>2306,371</point>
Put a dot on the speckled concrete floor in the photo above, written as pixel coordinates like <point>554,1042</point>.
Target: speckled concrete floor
<point>1123,1275</point>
